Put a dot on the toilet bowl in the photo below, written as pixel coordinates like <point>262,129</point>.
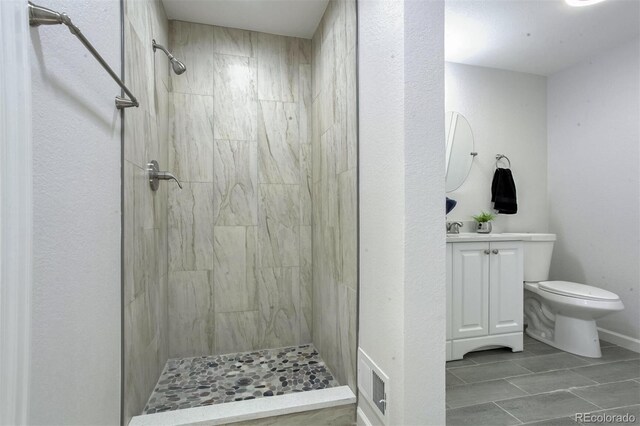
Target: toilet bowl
<point>562,314</point>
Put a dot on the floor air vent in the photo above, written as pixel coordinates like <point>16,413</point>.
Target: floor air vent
<point>373,385</point>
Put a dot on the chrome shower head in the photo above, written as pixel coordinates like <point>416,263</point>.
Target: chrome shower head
<point>177,66</point>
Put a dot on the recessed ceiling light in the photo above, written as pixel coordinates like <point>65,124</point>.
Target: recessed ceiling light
<point>580,3</point>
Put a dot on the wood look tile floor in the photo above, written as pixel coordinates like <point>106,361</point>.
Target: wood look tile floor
<point>542,385</point>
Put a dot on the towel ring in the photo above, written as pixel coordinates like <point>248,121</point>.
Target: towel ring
<point>502,157</point>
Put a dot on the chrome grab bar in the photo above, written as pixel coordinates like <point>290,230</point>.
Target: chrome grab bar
<point>39,15</point>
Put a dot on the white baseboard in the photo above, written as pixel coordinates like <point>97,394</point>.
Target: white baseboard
<point>363,420</point>
<point>619,339</point>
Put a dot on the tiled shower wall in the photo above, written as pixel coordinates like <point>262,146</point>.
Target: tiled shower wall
<point>334,194</point>
<point>239,233</point>
<point>145,212</point>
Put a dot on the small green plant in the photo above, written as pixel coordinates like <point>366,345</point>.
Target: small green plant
<point>484,217</point>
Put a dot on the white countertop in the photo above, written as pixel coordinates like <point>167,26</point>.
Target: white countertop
<point>465,237</point>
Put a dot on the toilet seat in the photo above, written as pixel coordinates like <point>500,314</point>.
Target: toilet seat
<point>576,290</point>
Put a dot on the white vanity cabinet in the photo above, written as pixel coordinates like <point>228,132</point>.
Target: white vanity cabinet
<point>484,296</point>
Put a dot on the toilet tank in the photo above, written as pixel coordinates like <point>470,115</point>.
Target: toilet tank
<point>537,256</point>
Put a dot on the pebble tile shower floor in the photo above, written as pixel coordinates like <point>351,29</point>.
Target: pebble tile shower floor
<point>208,380</point>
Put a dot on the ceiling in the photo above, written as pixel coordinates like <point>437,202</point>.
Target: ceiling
<point>295,18</point>
<point>535,36</point>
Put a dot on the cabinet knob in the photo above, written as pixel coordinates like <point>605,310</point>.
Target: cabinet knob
<point>486,251</point>
<point>495,251</point>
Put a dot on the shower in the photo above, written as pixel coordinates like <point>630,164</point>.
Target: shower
<point>178,67</point>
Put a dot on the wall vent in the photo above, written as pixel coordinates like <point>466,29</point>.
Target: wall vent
<point>373,386</point>
<point>379,396</point>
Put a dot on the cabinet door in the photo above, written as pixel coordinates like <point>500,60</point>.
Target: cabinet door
<point>506,287</point>
<point>470,290</point>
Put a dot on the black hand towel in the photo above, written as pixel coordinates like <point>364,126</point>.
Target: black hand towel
<point>503,192</point>
<point>450,204</point>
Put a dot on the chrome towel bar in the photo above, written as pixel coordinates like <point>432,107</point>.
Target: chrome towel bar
<point>39,15</point>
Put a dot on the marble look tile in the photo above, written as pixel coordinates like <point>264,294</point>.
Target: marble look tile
<point>352,109</point>
<point>316,141</point>
<point>316,63</point>
<point>278,143</point>
<point>138,368</point>
<point>163,120</point>
<point>306,99</point>
<point>340,31</point>
<point>351,24</point>
<point>348,217</point>
<point>235,185</point>
<point>129,246</point>
<point>235,107</point>
<point>347,320</point>
<point>327,59</point>
<point>305,184</point>
<point>279,297</point>
<point>140,137</point>
<point>333,416</point>
<point>139,60</point>
<point>238,331</point>
<point>159,30</point>
<point>191,313</point>
<point>235,288</point>
<point>232,41</point>
<point>304,52</point>
<point>327,306</point>
<point>278,239</point>
<point>137,13</point>
<point>191,148</point>
<point>145,261</point>
<point>193,45</point>
<point>326,107</point>
<point>190,233</point>
<point>277,68</point>
<point>306,284</point>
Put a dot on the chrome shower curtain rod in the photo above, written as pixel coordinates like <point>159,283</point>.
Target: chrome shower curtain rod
<point>39,15</point>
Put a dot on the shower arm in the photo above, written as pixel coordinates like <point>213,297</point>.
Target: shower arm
<point>161,47</point>
<point>39,15</point>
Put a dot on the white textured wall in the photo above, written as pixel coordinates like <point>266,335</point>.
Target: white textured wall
<point>507,112</point>
<point>594,178</point>
<point>401,163</point>
<point>75,345</point>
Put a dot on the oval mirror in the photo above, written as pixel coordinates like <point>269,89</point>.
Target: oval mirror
<point>459,150</point>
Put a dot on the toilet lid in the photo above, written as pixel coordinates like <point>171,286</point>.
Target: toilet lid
<point>581,291</point>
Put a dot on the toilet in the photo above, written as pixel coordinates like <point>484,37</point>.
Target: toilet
<point>562,314</point>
